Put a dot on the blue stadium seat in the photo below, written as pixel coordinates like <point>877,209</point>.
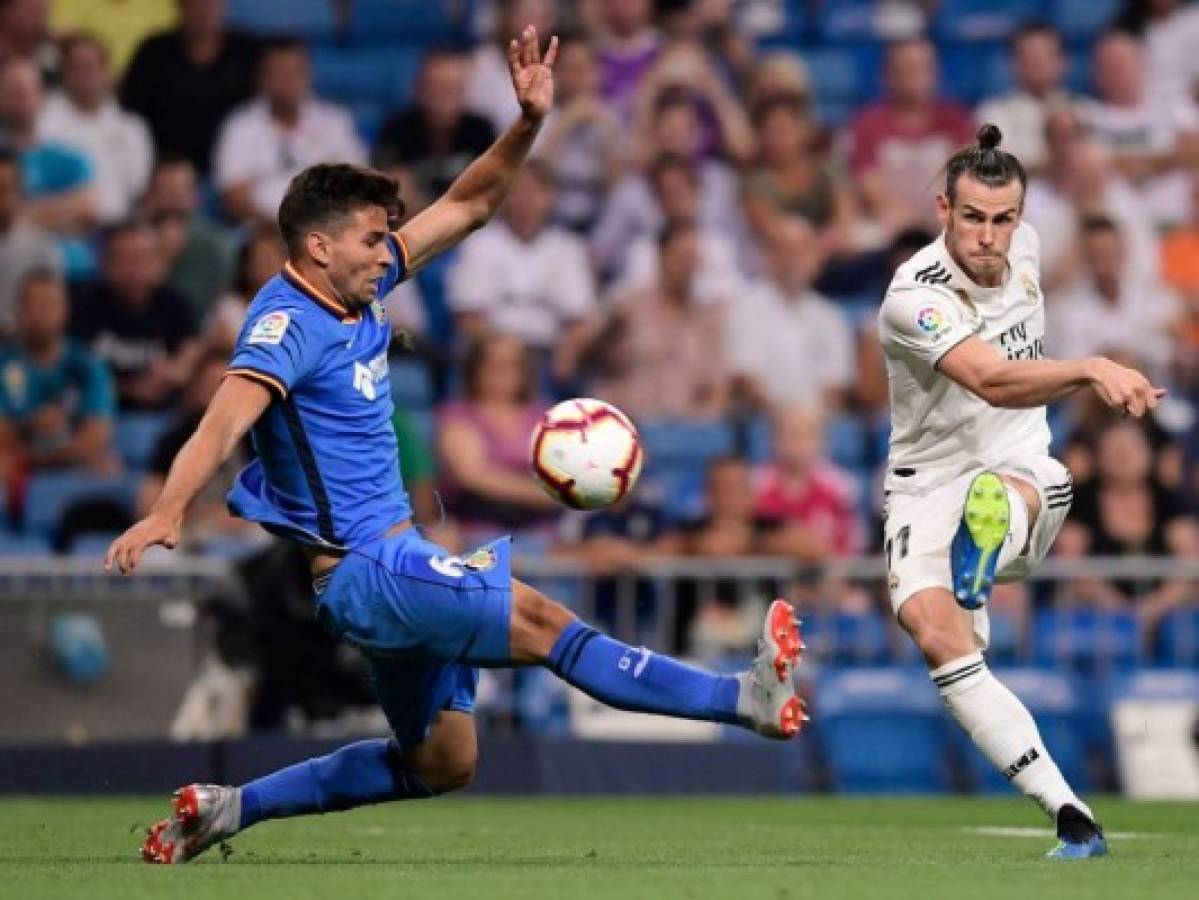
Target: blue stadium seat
<point>24,545</point>
<point>883,731</point>
<point>1086,640</point>
<point>137,435</point>
<point>411,384</point>
<point>840,74</point>
<point>1053,700</point>
<point>294,18</point>
<point>973,72</point>
<point>981,20</point>
<point>50,494</point>
<point>1083,20</point>
<point>1178,639</point>
<point>846,441</point>
<point>847,639</point>
<point>679,489</point>
<point>683,442</point>
<point>420,22</point>
<point>357,75</point>
<point>845,19</point>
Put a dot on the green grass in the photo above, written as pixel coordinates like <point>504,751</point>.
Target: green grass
<point>570,849</point>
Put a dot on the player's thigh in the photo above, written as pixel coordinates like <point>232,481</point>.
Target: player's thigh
<point>917,533</point>
<point>447,758</point>
<point>941,629</point>
<point>414,692</point>
<point>536,623</point>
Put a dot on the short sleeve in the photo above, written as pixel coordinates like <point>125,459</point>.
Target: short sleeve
<point>923,323</point>
<point>398,270</point>
<point>278,347</point>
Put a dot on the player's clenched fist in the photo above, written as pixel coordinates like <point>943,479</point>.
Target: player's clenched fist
<point>126,551</point>
<point>1122,388</point>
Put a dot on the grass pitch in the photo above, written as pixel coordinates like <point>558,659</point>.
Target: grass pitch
<point>570,849</point>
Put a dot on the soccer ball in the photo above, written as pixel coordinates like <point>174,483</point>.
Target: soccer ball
<point>586,453</point>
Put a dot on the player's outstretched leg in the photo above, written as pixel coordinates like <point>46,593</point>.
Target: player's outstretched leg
<point>762,698</point>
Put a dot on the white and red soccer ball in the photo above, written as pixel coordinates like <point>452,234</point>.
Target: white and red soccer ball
<point>586,453</point>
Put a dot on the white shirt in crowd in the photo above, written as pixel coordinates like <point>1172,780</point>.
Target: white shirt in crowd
<point>489,88</point>
<point>253,149</point>
<point>1147,129</point>
<point>796,348</point>
<point>115,141</point>
<point>1021,118</point>
<point>939,429</point>
<point>1082,322</point>
<point>1172,65</point>
<point>717,278</point>
<point>527,289</point>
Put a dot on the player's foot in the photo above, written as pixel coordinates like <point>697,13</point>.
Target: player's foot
<point>975,550</point>
<point>203,814</point>
<point>1079,837</point>
<point>768,701</point>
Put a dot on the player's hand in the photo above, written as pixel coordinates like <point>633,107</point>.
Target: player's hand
<point>1123,388</point>
<point>126,551</point>
<point>532,77</point>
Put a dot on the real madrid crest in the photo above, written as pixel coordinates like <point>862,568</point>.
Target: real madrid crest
<point>1031,291</point>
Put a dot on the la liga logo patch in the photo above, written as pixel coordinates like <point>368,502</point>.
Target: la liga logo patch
<point>930,320</point>
<point>269,329</point>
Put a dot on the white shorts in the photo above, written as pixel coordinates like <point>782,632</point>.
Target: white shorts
<point>918,530</point>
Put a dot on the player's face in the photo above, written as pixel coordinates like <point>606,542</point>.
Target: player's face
<point>358,257</point>
<point>979,227</point>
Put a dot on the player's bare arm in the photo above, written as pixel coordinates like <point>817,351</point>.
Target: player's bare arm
<point>236,406</point>
<point>1028,383</point>
<point>477,193</point>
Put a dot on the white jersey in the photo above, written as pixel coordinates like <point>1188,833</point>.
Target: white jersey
<point>938,428</point>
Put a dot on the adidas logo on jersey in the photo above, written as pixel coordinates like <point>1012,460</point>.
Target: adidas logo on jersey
<point>934,274</point>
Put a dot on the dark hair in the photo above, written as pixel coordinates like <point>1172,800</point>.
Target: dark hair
<point>476,356</point>
<point>780,101</point>
<point>668,161</point>
<point>672,97</point>
<point>1033,28</point>
<point>8,156</point>
<point>328,191</point>
<point>984,162</point>
<point>132,225</point>
<point>39,275</point>
<point>673,229</point>
<point>1096,224</point>
<point>282,44</point>
<point>83,38</point>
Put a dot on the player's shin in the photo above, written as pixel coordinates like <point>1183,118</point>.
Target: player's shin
<point>641,680</point>
<point>1002,728</point>
<point>359,774</point>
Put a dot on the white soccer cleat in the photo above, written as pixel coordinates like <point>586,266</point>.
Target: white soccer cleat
<point>768,702</point>
<point>204,814</point>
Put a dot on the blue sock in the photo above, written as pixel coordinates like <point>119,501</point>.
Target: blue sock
<point>356,775</point>
<point>637,679</point>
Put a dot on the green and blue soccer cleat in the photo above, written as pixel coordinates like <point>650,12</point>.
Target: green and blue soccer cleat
<point>975,550</point>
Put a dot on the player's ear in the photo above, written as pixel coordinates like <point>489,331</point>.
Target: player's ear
<point>943,209</point>
<point>317,245</point>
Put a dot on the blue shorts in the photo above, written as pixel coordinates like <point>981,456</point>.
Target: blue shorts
<point>424,618</point>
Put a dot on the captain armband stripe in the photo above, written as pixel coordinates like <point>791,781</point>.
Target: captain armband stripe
<point>264,378</point>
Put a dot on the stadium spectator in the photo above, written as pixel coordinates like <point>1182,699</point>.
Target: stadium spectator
<point>84,114</point>
<point>1125,511</point>
<point>120,25</point>
<point>209,524</point>
<point>59,181</point>
<point>56,397</point>
<point>898,144</point>
<point>1039,63</point>
<point>791,177</point>
<point>185,81</point>
<point>487,93</point>
<point>483,445</point>
<point>1078,181</point>
<point>582,142</point>
<point>1170,32</point>
<point>24,247</point>
<point>1180,251</point>
<point>284,129</point>
<point>259,259</point>
<point>663,349</point>
<point>675,184</point>
<point>779,74</point>
<point>144,330</point>
<point>521,276</point>
<point>1109,306</point>
<point>629,45</point>
<point>436,138</point>
<point>729,526</point>
<point>25,34</point>
<point>801,489</point>
<point>197,251</point>
<point>787,343</point>
<point>1153,144</point>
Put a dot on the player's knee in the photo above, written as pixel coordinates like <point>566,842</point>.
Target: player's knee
<point>450,769</point>
<point>938,627</point>
<point>536,623</point>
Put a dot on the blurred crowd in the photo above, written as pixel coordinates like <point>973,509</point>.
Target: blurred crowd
<point>702,238</point>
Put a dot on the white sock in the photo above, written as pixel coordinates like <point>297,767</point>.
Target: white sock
<point>1017,530</point>
<point>1004,731</point>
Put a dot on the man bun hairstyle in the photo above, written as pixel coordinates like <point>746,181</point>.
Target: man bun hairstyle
<point>984,162</point>
<point>323,194</point>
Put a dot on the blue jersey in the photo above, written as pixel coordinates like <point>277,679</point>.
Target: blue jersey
<point>326,471</point>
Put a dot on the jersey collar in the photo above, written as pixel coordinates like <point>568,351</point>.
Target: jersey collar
<point>323,300</point>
